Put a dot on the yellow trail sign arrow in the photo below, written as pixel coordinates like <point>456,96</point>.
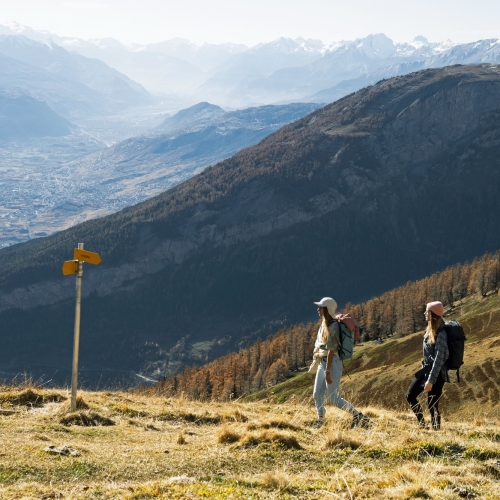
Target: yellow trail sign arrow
<point>84,256</point>
<point>70,267</point>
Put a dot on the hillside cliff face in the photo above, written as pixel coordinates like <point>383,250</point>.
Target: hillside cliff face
<point>388,184</point>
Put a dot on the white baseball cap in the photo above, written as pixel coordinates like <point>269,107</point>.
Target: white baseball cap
<point>329,303</point>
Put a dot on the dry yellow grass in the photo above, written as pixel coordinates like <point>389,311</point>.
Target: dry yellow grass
<point>172,449</point>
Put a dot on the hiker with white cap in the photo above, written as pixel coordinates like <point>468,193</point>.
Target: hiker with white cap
<point>329,366</point>
<point>434,373</point>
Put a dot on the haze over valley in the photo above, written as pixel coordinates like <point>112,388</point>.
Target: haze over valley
<point>83,134</point>
<point>239,76</point>
<point>55,183</point>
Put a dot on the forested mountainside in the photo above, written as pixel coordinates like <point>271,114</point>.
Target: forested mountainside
<point>386,185</point>
<point>394,314</point>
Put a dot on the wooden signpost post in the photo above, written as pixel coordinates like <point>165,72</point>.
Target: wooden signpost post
<point>75,266</point>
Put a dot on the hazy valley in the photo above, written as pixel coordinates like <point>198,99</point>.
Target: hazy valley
<point>283,70</point>
<point>50,184</point>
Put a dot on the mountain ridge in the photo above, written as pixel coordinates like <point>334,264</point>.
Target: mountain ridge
<point>23,117</point>
<point>276,72</point>
<point>62,79</point>
<point>244,239</point>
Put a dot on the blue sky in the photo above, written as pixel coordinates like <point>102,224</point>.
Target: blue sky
<point>254,21</point>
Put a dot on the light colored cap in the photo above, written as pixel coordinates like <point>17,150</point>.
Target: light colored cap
<point>436,307</point>
<point>329,303</point>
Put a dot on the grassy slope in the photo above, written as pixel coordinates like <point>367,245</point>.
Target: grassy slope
<point>379,374</point>
<point>173,448</point>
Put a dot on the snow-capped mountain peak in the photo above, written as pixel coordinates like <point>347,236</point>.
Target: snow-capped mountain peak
<point>377,45</point>
<point>39,35</point>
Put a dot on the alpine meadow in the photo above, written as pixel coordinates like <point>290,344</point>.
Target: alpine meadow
<point>286,253</point>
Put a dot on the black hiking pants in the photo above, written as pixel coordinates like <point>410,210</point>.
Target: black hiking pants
<point>415,389</point>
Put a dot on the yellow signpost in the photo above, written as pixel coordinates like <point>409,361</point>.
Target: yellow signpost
<point>75,266</point>
<point>84,256</point>
<point>70,267</point>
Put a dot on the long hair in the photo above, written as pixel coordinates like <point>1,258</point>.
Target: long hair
<point>433,325</point>
<point>326,319</point>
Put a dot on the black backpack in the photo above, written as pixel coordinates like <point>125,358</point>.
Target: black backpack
<point>456,340</point>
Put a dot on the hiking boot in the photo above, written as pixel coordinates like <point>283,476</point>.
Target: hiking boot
<point>319,423</point>
<point>360,420</point>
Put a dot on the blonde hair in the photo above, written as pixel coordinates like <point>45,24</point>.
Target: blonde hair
<point>325,320</point>
<point>433,325</point>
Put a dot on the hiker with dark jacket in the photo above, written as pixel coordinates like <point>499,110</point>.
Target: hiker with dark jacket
<point>329,367</point>
<point>433,374</point>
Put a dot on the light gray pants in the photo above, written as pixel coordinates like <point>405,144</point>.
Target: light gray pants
<point>321,388</point>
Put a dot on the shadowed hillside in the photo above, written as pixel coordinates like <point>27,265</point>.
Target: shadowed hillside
<point>22,117</point>
<point>386,185</point>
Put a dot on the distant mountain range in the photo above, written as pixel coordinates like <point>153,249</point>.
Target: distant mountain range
<point>74,86</point>
<point>90,81</point>
<point>280,71</point>
<point>383,186</point>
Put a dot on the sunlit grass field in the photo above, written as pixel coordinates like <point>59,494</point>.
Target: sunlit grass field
<point>135,446</point>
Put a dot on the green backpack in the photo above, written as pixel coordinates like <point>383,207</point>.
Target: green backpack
<point>349,334</point>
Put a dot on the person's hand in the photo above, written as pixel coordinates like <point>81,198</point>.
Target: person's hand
<point>428,387</point>
<point>328,378</point>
